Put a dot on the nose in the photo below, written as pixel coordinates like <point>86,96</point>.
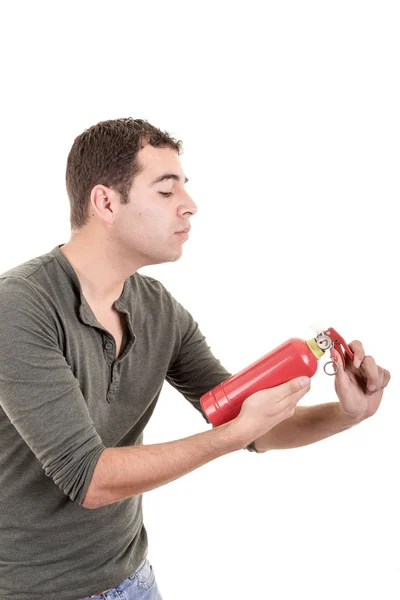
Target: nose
<point>187,205</point>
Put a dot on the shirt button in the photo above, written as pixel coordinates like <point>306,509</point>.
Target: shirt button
<point>108,346</point>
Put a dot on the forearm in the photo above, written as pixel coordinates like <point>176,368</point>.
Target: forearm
<point>128,471</point>
<point>309,424</point>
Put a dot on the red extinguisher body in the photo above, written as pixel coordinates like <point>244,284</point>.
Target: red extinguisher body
<point>293,358</point>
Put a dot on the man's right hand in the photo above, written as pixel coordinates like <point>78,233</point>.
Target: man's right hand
<point>263,410</point>
<point>122,472</point>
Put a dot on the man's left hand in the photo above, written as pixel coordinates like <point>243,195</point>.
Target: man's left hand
<point>360,383</point>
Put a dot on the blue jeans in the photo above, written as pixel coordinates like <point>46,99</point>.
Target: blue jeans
<point>141,585</point>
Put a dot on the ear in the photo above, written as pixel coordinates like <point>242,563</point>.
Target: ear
<point>102,199</point>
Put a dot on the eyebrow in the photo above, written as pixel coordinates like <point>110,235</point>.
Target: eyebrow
<point>167,176</point>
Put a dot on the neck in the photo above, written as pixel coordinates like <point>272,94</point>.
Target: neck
<point>100,267</point>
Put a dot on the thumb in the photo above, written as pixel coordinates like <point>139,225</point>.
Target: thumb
<point>340,375</point>
<point>292,386</point>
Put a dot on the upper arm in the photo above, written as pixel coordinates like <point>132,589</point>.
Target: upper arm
<point>195,370</point>
<point>39,393</point>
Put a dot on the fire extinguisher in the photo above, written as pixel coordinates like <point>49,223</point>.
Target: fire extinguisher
<point>294,358</point>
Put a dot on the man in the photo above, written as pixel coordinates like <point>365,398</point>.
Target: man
<point>86,343</point>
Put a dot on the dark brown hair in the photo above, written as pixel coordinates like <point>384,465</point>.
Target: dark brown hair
<point>106,154</point>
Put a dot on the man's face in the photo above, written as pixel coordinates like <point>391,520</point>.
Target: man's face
<point>159,208</point>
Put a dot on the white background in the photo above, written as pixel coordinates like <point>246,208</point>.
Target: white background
<point>289,114</point>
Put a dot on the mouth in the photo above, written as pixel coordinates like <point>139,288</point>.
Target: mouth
<point>182,234</point>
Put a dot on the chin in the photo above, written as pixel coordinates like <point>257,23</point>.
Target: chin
<point>172,257</point>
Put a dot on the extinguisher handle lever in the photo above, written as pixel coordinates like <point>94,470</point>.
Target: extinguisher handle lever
<point>339,344</point>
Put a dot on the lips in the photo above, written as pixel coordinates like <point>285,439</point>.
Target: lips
<point>186,230</point>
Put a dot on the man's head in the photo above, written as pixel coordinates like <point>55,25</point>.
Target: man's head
<point>125,181</point>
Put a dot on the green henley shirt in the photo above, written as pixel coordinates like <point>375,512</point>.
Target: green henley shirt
<point>63,400</point>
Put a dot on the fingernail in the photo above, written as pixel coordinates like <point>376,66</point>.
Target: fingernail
<point>372,388</point>
<point>304,381</point>
<point>358,364</point>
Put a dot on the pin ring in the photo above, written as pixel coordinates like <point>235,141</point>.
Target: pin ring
<point>335,367</point>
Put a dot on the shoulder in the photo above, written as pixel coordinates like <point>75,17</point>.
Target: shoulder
<point>29,268</point>
<point>21,287</point>
<point>16,289</point>
<point>149,283</point>
<point>150,291</point>
<point>151,297</point>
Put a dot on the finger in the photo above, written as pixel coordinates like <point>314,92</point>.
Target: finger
<point>299,384</point>
<point>358,351</point>
<point>370,372</point>
<point>386,378</point>
<point>288,404</point>
<point>380,378</point>
<point>339,363</point>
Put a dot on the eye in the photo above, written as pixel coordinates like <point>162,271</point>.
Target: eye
<point>166,194</point>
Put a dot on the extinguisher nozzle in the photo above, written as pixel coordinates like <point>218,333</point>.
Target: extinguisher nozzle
<point>317,328</point>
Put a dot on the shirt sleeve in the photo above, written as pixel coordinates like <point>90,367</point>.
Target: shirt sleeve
<point>39,393</point>
<point>195,370</point>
